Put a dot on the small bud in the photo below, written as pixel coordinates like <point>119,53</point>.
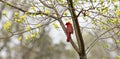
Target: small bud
<point>4,13</point>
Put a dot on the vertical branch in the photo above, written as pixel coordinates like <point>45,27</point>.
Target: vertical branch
<point>78,33</point>
<point>62,25</point>
<point>64,29</point>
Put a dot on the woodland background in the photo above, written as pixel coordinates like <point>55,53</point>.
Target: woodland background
<point>33,29</point>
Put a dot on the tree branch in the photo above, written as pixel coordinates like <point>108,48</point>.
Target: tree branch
<point>13,6</point>
<point>20,9</point>
<point>94,42</point>
<point>78,33</point>
<point>37,13</point>
<point>64,29</point>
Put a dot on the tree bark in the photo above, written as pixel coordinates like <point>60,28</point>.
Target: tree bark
<point>78,33</point>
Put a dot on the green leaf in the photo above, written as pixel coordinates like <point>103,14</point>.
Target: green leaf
<point>108,21</point>
<point>93,21</point>
<point>38,25</point>
<point>62,1</point>
<point>65,13</point>
<point>104,27</point>
<point>28,28</point>
<point>101,1</point>
<point>117,12</point>
<point>117,41</point>
<point>16,14</point>
<point>94,0</point>
<point>47,11</point>
<point>100,22</point>
<point>55,25</point>
<point>4,13</point>
<point>75,1</point>
<point>105,46</point>
<point>118,33</point>
<point>115,0</point>
<point>115,7</point>
<point>33,8</point>
<point>104,11</point>
<point>7,26</point>
<point>103,58</point>
<point>114,21</point>
<point>33,36</point>
<point>108,1</point>
<point>118,57</point>
<point>27,37</point>
<point>20,38</point>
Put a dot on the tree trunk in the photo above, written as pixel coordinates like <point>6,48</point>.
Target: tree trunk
<point>82,57</point>
<point>78,33</point>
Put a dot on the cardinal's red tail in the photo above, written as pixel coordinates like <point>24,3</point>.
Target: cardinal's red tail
<point>68,37</point>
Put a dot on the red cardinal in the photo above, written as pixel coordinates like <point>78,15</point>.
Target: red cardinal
<point>69,31</point>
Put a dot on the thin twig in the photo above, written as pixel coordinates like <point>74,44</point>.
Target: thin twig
<point>37,13</point>
<point>94,42</point>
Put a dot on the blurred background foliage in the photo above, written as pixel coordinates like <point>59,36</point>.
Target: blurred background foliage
<point>25,34</point>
